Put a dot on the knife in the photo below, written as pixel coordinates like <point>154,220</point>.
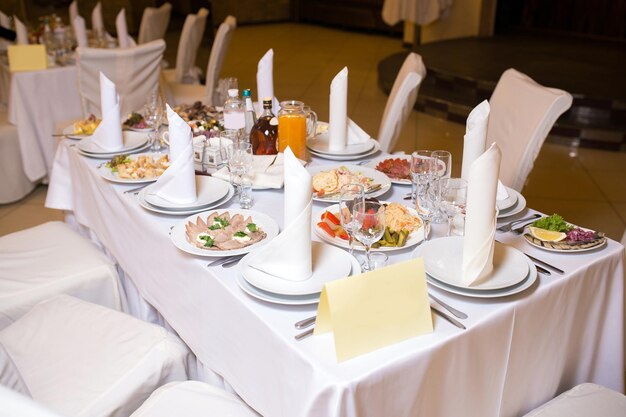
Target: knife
<point>225,260</point>
<point>445,316</point>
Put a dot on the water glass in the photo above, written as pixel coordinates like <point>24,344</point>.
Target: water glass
<point>350,195</point>
<point>153,113</point>
<point>378,260</point>
<point>424,178</point>
<point>240,159</point>
<point>453,198</point>
<point>370,226</point>
<point>444,170</point>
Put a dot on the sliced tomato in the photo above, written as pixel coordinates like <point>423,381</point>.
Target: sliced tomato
<point>326,227</point>
<point>341,233</point>
<point>327,215</point>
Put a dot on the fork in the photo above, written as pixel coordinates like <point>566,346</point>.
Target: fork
<point>519,230</point>
<point>507,227</point>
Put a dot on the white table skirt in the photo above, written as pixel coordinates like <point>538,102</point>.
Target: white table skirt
<point>517,353</point>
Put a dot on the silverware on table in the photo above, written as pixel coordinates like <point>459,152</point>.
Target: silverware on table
<point>507,227</point>
<point>542,270</point>
<point>364,162</point>
<point>225,259</point>
<point>451,309</point>
<point>304,335</point>
<point>447,317</point>
<point>544,263</point>
<point>136,190</point>
<point>232,262</point>
<point>303,324</point>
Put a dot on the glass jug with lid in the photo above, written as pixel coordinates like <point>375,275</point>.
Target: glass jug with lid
<point>292,121</point>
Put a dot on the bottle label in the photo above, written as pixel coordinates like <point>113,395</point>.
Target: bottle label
<point>274,121</point>
<point>234,120</point>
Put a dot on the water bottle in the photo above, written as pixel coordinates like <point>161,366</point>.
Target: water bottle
<point>250,114</point>
<point>234,113</point>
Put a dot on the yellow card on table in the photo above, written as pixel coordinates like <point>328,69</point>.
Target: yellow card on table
<point>27,57</point>
<point>375,309</point>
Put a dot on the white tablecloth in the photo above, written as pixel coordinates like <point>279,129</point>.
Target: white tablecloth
<point>38,102</point>
<point>517,352</point>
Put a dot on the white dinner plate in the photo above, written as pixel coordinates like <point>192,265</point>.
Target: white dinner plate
<point>518,207</point>
<point>347,157</point>
<point>378,177</point>
<point>69,133</point>
<point>143,203</point>
<point>413,239</point>
<point>111,155</point>
<point>601,243</point>
<point>508,202</point>
<point>287,299</point>
<point>443,259</point>
<point>374,162</point>
<point>329,263</point>
<point>106,172</point>
<point>263,221</point>
<point>319,144</point>
<point>132,140</point>
<point>208,190</point>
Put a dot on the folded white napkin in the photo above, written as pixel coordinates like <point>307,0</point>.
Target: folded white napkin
<point>288,255</point>
<point>267,171</point>
<point>108,134</point>
<point>122,30</point>
<point>338,111</point>
<point>73,10</point>
<point>97,22</point>
<point>475,142</point>
<point>5,21</point>
<point>356,134</point>
<point>178,183</point>
<point>265,81</point>
<point>80,31</point>
<point>480,217</point>
<point>21,32</point>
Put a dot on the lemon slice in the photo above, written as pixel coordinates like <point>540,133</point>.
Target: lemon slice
<point>547,235</point>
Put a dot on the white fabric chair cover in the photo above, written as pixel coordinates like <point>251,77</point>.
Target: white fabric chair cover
<point>135,72</point>
<point>584,400</point>
<point>190,93</point>
<point>5,20</point>
<point>97,21</point>
<point>80,32</point>
<point>190,39</point>
<point>154,22</point>
<point>15,184</point>
<point>73,11</point>
<point>15,404</point>
<point>51,259</point>
<point>522,114</point>
<point>82,359</point>
<point>193,399</point>
<point>401,101</point>
<point>21,32</point>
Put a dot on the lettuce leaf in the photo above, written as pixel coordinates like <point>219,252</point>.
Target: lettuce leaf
<point>554,223</point>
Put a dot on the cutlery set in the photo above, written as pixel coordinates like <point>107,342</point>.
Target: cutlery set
<point>226,262</point>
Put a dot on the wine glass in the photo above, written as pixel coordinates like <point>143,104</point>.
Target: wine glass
<point>240,160</point>
<point>453,198</point>
<point>369,217</point>
<point>444,170</point>
<point>153,110</point>
<point>350,195</point>
<point>424,170</point>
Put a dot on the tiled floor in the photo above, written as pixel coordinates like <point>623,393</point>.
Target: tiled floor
<point>585,186</point>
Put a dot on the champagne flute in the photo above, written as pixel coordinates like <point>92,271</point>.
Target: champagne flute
<point>240,161</point>
<point>423,174</point>
<point>370,226</point>
<point>453,198</point>
<point>350,195</point>
<point>153,115</point>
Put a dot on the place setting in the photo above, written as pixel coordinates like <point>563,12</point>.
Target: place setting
<point>341,139</point>
<point>178,191</point>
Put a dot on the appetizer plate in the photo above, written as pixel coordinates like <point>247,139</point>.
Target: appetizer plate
<point>132,140</point>
<point>111,155</point>
<point>374,162</point>
<point>143,203</point>
<point>263,221</point>
<point>287,299</point>
<point>596,244</point>
<point>106,172</point>
<point>208,190</point>
<point>443,260</point>
<point>518,207</point>
<point>508,202</point>
<point>413,239</point>
<point>68,132</point>
<point>329,263</point>
<point>378,177</point>
<point>374,150</point>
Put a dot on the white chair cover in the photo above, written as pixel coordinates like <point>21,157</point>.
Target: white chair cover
<point>193,399</point>
<point>584,400</point>
<point>15,184</point>
<point>80,31</point>
<point>154,22</point>
<point>190,93</point>
<point>190,39</point>
<point>522,114</point>
<point>401,101</point>
<point>51,259</point>
<point>73,10</point>
<point>97,21</point>
<point>5,20</point>
<point>135,72</point>
<point>15,404</point>
<point>82,359</point>
<point>20,31</point>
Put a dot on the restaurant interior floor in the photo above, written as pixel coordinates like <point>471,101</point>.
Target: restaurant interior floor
<point>586,186</point>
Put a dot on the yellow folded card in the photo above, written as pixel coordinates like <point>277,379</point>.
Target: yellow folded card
<point>375,309</point>
<point>27,57</point>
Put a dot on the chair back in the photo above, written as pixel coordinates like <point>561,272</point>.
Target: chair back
<point>5,20</point>
<point>97,21</point>
<point>401,101</point>
<point>190,39</point>
<point>135,72</point>
<point>73,11</point>
<point>522,114</point>
<point>21,33</point>
<point>154,22</point>
<point>216,59</point>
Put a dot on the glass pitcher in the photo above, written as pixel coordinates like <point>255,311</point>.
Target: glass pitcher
<point>292,121</point>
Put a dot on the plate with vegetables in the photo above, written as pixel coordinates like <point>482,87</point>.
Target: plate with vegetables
<point>217,233</point>
<point>327,181</point>
<point>135,169</point>
<point>554,234</point>
<point>403,229</point>
<point>82,128</point>
<point>137,123</point>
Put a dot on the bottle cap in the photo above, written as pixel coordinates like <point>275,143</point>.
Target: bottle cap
<point>233,92</point>
<point>247,93</point>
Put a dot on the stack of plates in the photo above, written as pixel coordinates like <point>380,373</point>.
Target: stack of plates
<point>133,142</point>
<point>329,263</point>
<point>512,271</point>
<point>318,146</point>
<point>211,192</point>
<point>512,205</point>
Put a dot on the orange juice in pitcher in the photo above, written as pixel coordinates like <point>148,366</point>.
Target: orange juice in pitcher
<point>292,127</point>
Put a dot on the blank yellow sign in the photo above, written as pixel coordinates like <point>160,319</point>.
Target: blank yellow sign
<point>27,57</point>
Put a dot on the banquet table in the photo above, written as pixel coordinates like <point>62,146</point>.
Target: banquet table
<point>517,352</point>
